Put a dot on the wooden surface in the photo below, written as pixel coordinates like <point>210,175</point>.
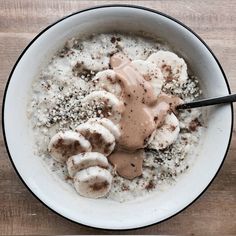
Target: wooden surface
<point>214,212</point>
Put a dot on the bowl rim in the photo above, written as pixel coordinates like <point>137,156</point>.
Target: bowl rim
<point>94,8</point>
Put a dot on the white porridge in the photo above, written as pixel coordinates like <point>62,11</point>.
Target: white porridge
<point>89,124</point>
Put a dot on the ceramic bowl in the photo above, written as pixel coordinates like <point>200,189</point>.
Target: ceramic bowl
<point>103,213</point>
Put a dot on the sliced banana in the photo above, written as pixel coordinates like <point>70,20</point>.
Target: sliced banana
<point>93,182</point>
<point>66,144</point>
<point>172,66</point>
<point>85,160</point>
<point>166,134</point>
<point>108,104</point>
<point>107,124</point>
<point>151,72</point>
<point>101,139</point>
<point>106,80</point>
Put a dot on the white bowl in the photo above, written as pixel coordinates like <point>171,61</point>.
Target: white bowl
<point>103,213</point>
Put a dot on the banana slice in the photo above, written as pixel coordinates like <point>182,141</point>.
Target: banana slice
<point>66,144</point>
<point>107,124</point>
<point>172,66</point>
<point>106,80</point>
<point>108,104</point>
<point>166,134</point>
<point>101,139</point>
<point>93,182</point>
<point>85,160</point>
<point>151,73</point>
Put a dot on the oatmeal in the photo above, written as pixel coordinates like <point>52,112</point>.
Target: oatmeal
<point>104,118</point>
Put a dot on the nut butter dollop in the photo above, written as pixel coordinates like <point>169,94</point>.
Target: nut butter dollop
<point>143,113</point>
<point>128,164</point>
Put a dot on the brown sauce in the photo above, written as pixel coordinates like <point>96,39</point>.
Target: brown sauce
<point>143,113</point>
<point>126,164</point>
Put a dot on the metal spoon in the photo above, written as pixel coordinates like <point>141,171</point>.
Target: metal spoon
<point>208,102</point>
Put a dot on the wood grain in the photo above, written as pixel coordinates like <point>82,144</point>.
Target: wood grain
<point>214,212</point>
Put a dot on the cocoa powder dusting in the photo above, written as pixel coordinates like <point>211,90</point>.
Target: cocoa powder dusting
<point>194,124</point>
<point>150,185</point>
<point>68,149</point>
<point>99,185</point>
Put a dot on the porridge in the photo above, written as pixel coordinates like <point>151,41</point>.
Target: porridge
<point>104,115</point>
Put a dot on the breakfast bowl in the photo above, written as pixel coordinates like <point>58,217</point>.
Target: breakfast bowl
<point>105,213</point>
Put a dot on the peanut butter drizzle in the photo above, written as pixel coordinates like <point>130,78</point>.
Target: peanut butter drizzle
<point>126,164</point>
<point>143,113</point>
<point>137,121</point>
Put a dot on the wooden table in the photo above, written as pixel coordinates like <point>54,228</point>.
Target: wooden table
<point>214,212</point>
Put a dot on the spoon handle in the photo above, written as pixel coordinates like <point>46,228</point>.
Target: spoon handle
<point>208,102</point>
